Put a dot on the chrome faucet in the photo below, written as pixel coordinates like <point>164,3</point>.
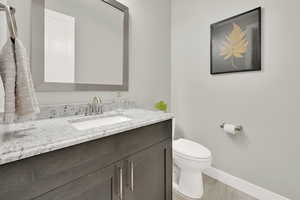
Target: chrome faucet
<point>94,108</point>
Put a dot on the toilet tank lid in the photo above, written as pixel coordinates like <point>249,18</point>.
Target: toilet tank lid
<point>191,149</point>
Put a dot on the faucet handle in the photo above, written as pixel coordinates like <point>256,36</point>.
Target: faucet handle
<point>100,106</point>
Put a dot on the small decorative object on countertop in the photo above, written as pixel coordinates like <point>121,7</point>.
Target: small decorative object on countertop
<point>161,106</point>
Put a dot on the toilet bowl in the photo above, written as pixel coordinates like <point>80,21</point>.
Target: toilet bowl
<point>191,159</point>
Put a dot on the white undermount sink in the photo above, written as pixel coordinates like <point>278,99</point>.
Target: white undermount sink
<point>98,122</point>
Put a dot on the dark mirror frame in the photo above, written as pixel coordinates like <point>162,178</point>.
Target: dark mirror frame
<point>37,54</point>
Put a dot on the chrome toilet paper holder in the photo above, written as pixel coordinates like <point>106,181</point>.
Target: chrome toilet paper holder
<point>238,128</point>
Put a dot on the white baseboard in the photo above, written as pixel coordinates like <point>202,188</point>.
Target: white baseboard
<point>242,185</point>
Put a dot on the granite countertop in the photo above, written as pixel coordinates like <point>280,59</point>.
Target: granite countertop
<point>37,137</point>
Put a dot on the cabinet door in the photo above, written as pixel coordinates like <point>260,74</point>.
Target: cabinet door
<point>149,174</point>
<point>104,184</point>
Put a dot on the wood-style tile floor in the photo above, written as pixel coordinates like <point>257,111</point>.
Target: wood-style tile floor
<point>215,190</point>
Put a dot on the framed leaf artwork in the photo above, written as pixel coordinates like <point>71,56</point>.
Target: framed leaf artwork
<point>236,43</point>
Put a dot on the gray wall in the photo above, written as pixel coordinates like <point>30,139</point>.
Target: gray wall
<point>149,66</point>
<point>266,103</point>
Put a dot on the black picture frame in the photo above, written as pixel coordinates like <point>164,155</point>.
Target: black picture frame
<point>250,60</point>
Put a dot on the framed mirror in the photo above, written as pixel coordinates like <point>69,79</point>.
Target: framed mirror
<point>80,45</point>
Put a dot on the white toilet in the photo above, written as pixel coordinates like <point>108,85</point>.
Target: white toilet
<point>191,158</point>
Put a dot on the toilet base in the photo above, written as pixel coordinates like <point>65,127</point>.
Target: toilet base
<point>178,196</point>
<point>190,184</point>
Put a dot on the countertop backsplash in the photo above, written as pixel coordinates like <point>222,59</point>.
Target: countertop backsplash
<point>76,109</point>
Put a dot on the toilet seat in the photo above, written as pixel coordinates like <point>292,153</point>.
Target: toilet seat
<point>191,150</point>
<point>184,157</point>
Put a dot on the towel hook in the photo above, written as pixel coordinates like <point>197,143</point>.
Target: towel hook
<point>11,20</point>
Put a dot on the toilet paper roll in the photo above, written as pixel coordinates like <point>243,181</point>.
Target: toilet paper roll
<point>230,129</point>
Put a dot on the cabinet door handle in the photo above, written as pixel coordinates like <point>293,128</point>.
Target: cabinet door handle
<point>131,176</point>
<point>121,183</point>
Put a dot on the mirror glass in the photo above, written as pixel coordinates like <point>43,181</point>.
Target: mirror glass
<point>82,45</point>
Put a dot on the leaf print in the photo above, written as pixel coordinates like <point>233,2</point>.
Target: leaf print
<point>235,44</point>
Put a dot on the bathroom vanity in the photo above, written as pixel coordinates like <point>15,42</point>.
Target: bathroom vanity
<point>125,161</point>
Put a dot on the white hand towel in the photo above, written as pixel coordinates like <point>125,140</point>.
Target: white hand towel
<point>2,96</point>
<point>20,98</point>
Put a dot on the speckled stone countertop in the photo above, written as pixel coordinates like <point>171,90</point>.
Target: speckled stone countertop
<point>36,137</point>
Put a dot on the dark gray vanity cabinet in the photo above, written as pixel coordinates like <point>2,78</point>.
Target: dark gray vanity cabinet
<point>133,165</point>
<point>146,179</point>
<point>98,185</point>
